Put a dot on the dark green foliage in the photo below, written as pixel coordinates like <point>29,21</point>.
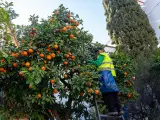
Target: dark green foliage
<point>128,27</point>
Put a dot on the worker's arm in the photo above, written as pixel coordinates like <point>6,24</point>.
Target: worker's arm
<point>97,62</point>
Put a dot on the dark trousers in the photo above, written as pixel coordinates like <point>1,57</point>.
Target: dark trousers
<point>111,99</point>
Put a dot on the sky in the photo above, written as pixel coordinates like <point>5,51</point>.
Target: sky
<point>90,11</point>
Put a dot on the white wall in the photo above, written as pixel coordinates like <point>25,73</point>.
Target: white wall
<point>152,9</point>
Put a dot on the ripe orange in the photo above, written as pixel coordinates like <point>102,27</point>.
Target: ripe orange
<point>49,47</point>
<point>129,95</point>
<point>77,24</point>
<point>70,27</point>
<point>125,73</point>
<point>30,69</point>
<point>125,65</point>
<point>57,12</point>
<point>67,27</point>
<point>27,64</point>
<point>69,15</point>
<point>72,21</point>
<point>90,91</point>
<point>48,50</point>
<point>4,71</point>
<point>65,76</point>
<point>43,68</point>
<point>1,69</point>
<point>56,46</point>
<point>15,65</point>
<point>81,93</point>
<point>38,95</point>
<point>52,81</point>
<point>71,36</point>
<point>73,57</point>
<point>53,55</point>
<point>64,29</point>
<point>51,20</point>
<point>65,62</point>
<point>55,91</point>
<point>14,54</point>
<point>29,86</point>
<point>67,55</point>
<point>41,55</point>
<point>49,57</point>
<point>30,50</point>
<point>25,53</point>
<point>97,92</point>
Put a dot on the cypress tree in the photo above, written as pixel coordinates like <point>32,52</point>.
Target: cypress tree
<point>129,27</point>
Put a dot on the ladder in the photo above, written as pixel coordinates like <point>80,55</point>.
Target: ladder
<point>105,117</point>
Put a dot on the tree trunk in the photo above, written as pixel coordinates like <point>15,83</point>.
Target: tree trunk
<point>14,39</point>
<point>67,115</point>
<point>57,116</point>
<point>56,113</point>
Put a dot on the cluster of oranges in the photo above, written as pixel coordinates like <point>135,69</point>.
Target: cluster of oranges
<point>90,90</point>
<point>3,70</point>
<point>55,91</point>
<point>128,82</point>
<point>69,55</point>
<point>73,23</point>
<point>24,54</point>
<point>31,51</point>
<point>64,29</point>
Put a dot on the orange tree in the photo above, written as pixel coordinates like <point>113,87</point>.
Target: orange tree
<point>47,75</point>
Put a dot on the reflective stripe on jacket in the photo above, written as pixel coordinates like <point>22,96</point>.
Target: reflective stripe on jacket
<point>107,64</point>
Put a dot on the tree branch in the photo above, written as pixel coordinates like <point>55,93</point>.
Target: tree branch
<point>55,112</point>
<point>68,109</point>
<point>65,83</point>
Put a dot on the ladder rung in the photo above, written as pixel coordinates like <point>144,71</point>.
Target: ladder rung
<point>108,116</point>
<point>99,101</point>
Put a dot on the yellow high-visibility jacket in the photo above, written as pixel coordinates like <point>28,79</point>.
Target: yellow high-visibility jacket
<point>107,64</point>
